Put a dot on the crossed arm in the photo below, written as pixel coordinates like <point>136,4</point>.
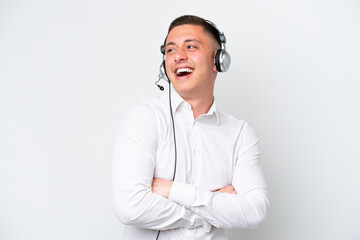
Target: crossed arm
<point>222,208</point>
<point>163,187</point>
<point>141,200</point>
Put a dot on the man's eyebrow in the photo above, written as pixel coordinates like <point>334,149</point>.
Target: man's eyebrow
<point>186,41</point>
<point>169,43</point>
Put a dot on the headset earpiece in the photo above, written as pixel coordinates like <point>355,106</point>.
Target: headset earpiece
<point>222,60</point>
<point>217,62</point>
<point>222,57</point>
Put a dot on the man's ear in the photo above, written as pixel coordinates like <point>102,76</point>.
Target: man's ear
<point>214,55</point>
<point>214,68</point>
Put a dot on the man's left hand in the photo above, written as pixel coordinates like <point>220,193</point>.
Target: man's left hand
<point>162,186</point>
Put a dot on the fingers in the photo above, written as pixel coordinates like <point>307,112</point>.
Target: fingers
<point>162,187</point>
<point>228,189</point>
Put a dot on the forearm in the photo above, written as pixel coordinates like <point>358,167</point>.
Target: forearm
<point>139,206</point>
<point>225,210</point>
<point>246,209</point>
<point>136,204</point>
<point>134,162</point>
<point>222,208</point>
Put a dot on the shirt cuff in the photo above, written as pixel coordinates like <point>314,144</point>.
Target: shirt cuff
<point>182,193</point>
<point>185,195</point>
<point>197,221</point>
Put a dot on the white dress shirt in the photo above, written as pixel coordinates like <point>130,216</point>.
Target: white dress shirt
<point>213,151</point>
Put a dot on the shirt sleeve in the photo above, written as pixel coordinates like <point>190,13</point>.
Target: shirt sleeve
<point>245,210</point>
<point>133,169</point>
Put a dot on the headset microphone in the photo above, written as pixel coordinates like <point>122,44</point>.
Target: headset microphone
<point>162,75</point>
<point>159,86</point>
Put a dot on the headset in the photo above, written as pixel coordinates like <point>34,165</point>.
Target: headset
<point>222,63</point>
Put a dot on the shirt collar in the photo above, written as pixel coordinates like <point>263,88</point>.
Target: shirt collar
<point>177,100</point>
<point>214,111</point>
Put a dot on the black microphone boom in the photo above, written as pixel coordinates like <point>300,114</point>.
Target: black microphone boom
<point>160,87</point>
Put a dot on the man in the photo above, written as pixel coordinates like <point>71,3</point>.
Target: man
<point>214,181</point>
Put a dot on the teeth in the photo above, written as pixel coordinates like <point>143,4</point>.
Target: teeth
<point>184,70</point>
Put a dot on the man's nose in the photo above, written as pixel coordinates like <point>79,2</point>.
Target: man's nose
<point>181,54</point>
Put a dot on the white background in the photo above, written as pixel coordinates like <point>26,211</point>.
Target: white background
<point>70,69</point>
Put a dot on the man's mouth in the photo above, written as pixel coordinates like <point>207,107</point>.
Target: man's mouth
<point>180,72</point>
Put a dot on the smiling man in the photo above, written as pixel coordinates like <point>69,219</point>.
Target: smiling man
<point>190,55</point>
<point>214,180</point>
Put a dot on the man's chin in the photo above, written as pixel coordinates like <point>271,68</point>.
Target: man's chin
<point>184,91</point>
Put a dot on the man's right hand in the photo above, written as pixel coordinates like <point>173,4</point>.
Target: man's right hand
<point>228,189</point>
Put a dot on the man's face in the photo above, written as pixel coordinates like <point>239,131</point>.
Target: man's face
<point>190,60</point>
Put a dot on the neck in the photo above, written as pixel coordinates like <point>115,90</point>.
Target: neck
<point>201,99</point>
<point>201,105</point>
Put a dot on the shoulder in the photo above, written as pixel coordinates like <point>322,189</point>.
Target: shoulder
<point>145,113</point>
<point>240,126</point>
<point>229,120</point>
<point>145,109</point>
<point>141,110</point>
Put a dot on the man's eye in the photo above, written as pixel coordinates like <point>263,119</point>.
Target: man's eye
<point>191,47</point>
<point>170,50</point>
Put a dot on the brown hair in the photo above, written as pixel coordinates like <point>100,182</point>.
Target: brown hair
<point>208,26</point>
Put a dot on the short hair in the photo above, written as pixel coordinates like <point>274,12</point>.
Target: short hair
<point>208,26</point>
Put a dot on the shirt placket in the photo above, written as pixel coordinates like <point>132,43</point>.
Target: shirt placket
<point>194,152</point>
<point>190,233</point>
